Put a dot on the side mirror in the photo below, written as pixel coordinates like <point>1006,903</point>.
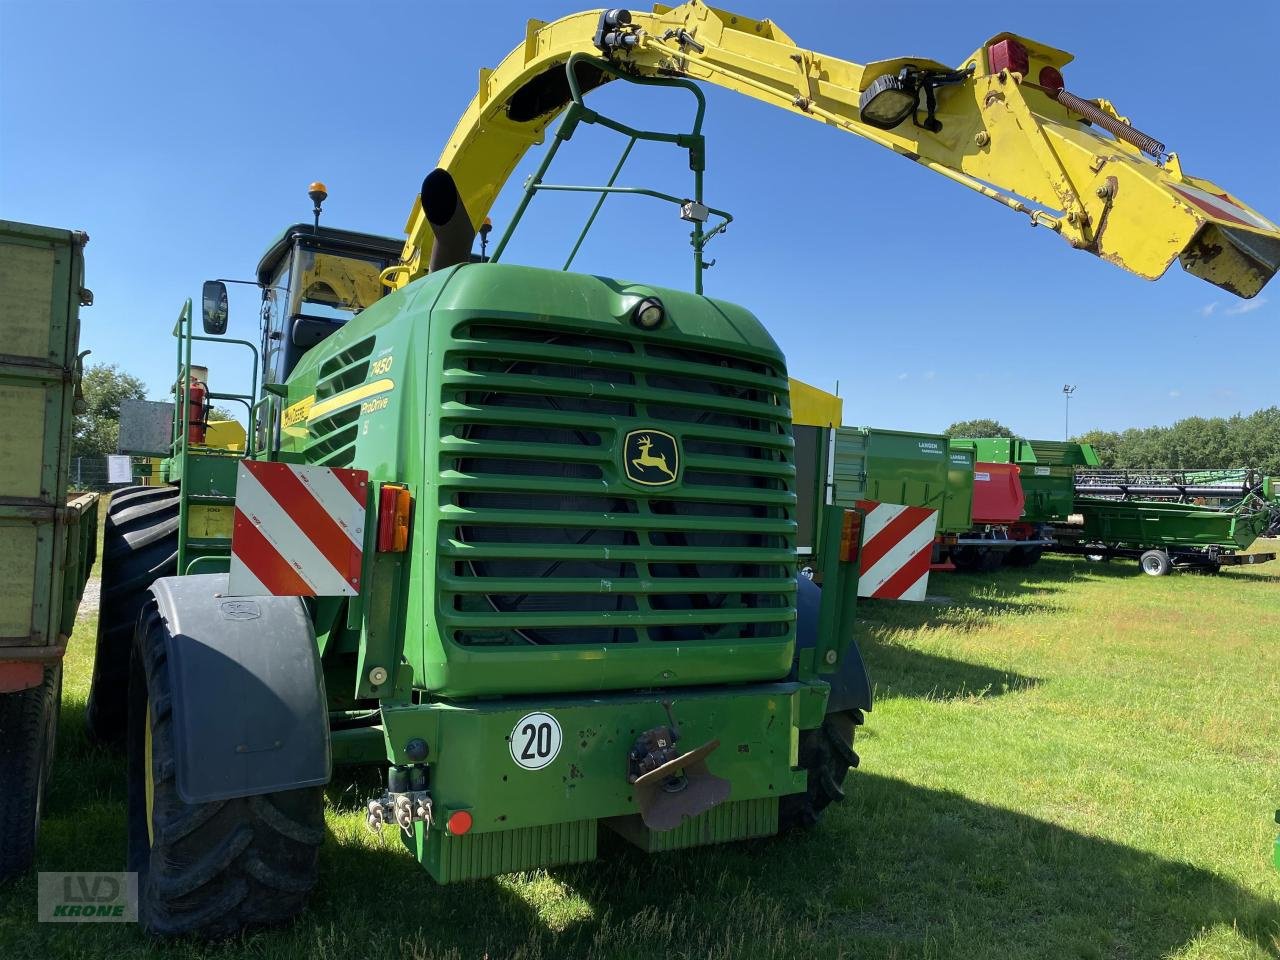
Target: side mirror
<point>214,307</point>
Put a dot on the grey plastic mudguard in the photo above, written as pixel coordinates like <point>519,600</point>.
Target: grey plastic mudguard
<point>850,685</point>
<point>250,714</point>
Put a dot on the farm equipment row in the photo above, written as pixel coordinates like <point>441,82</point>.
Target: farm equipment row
<point>1005,501</point>
<point>529,539</point>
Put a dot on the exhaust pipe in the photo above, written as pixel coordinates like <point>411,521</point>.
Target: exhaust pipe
<point>450,223</point>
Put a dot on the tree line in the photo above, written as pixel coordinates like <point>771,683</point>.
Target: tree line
<point>1195,442</point>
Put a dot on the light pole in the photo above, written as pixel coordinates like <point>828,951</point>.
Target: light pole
<point>1067,390</point>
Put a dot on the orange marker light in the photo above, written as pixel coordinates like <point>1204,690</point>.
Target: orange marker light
<point>459,822</point>
<point>850,536</point>
<point>395,503</point>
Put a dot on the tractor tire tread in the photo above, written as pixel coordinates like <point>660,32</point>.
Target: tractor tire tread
<point>140,545</point>
<point>210,870</point>
<point>827,754</point>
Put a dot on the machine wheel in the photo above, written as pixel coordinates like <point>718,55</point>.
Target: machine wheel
<point>1155,563</point>
<point>140,545</point>
<point>1024,556</point>
<point>28,732</point>
<point>989,561</point>
<point>207,869</point>
<point>827,753</point>
<point>964,558</point>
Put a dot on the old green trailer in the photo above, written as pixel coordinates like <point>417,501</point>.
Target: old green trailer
<point>47,538</point>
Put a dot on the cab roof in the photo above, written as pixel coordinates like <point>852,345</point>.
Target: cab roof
<point>350,241</point>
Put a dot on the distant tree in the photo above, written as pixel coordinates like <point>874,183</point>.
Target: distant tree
<point>1195,442</point>
<point>978,428</point>
<point>105,387</point>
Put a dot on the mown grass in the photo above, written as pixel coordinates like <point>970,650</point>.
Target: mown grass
<point>1071,761</point>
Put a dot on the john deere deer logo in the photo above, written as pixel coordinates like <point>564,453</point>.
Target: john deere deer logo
<point>651,458</point>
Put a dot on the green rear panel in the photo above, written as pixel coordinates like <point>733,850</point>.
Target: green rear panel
<point>957,515</point>
<point>470,747</point>
<point>890,466</point>
<point>42,553</point>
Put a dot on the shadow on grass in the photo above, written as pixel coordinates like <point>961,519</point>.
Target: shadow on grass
<point>897,870</point>
<point>902,671</point>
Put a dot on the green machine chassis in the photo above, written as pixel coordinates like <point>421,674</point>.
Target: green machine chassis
<point>553,580</point>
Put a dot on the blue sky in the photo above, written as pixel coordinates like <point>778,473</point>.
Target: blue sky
<point>182,137</point>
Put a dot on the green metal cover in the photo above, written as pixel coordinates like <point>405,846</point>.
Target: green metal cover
<point>957,514</point>
<point>891,466</point>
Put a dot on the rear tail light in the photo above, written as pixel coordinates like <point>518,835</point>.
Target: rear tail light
<point>850,536</point>
<point>459,822</point>
<point>1008,54</point>
<point>394,505</point>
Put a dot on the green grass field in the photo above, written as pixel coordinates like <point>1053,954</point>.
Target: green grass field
<point>1075,761</point>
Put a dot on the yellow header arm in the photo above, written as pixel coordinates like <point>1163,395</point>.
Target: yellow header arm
<point>1010,134</point>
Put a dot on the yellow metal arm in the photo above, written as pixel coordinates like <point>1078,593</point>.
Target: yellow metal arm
<point>1001,135</point>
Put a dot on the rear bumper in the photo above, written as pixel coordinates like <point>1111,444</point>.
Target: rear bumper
<point>524,818</point>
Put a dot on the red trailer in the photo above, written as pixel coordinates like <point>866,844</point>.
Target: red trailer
<point>998,505</point>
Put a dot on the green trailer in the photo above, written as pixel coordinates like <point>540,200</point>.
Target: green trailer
<point>1046,472</point>
<point>1165,535</point>
<point>891,466</point>
<point>47,537</point>
<point>887,466</point>
<point>1048,469</point>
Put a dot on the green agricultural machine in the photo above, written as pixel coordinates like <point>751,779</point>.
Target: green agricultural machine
<point>569,597</point>
<point>578,602</point>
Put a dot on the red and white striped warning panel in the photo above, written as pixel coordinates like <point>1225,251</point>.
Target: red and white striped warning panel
<point>299,531</point>
<point>897,545</point>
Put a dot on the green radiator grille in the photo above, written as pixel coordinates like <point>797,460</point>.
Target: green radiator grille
<point>543,538</point>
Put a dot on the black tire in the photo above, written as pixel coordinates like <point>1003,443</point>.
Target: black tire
<point>140,545</point>
<point>964,558</point>
<point>827,754</point>
<point>139,494</point>
<point>28,732</point>
<point>209,870</point>
<point>989,561</point>
<point>1155,563</point>
<point>1024,556</point>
